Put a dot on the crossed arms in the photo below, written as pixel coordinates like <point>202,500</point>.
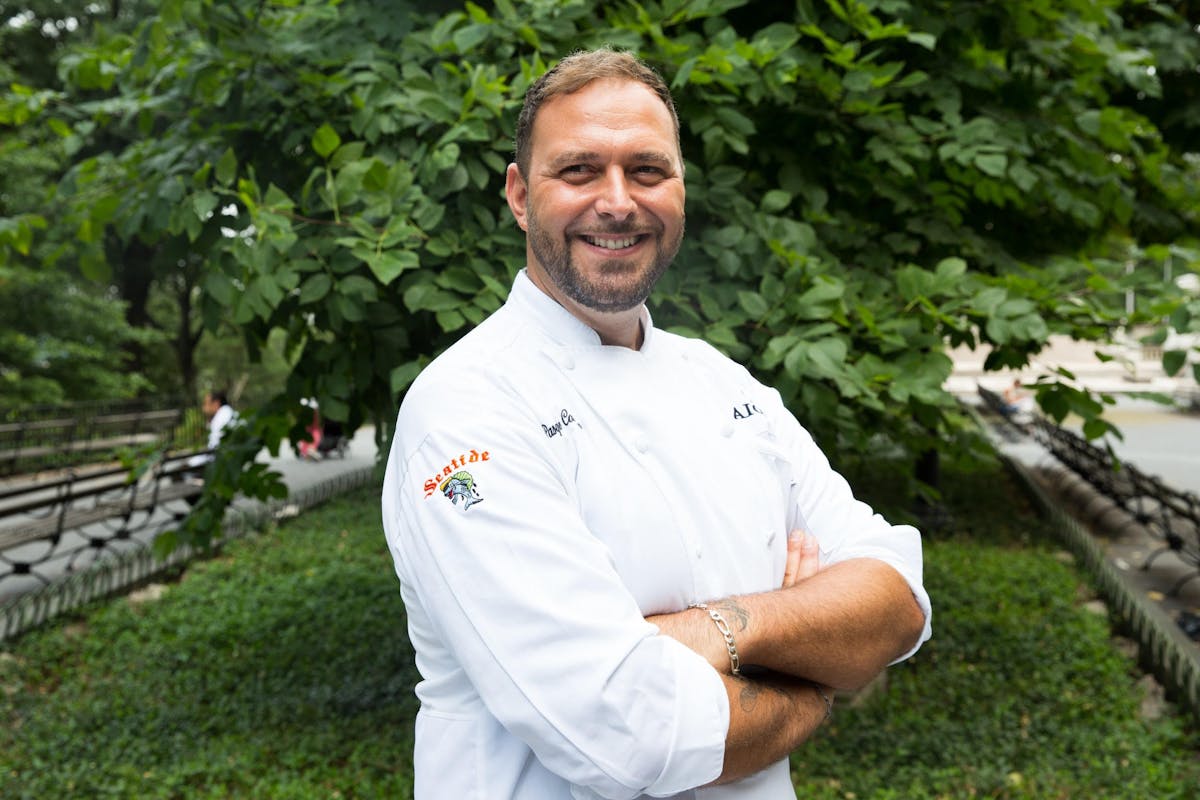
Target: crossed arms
<point>825,628</point>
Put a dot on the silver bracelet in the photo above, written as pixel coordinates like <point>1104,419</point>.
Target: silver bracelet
<point>726,634</point>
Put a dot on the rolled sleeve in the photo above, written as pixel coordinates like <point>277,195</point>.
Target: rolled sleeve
<point>847,528</point>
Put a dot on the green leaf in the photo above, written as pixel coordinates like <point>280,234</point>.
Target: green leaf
<point>315,287</point>
<point>389,264</point>
<point>227,167</point>
<point>1173,361</point>
<point>951,269</point>
<point>1095,428</point>
<point>926,40</point>
<point>753,304</point>
<point>1181,319</point>
<point>403,375</point>
<point>775,200</point>
<point>450,320</point>
<point>325,140</point>
<point>203,204</point>
<point>993,164</point>
<point>359,286</point>
<point>218,286</point>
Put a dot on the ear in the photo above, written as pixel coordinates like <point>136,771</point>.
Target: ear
<point>517,192</point>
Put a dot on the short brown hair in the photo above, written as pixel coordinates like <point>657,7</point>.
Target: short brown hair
<point>575,72</point>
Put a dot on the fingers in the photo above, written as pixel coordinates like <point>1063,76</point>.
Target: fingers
<point>803,558</point>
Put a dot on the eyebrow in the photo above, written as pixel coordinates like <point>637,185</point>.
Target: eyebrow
<point>566,159</point>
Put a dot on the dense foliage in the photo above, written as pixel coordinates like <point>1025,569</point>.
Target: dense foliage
<point>869,182</point>
<point>281,669</point>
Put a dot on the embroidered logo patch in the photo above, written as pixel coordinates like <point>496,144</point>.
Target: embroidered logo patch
<point>461,486</point>
<point>455,482</point>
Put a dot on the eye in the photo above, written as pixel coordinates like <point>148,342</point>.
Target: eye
<point>649,174</point>
<point>575,172</point>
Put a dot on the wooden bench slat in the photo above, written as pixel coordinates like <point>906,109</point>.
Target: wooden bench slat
<point>146,498</point>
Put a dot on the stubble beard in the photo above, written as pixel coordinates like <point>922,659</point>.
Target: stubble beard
<point>599,295</point>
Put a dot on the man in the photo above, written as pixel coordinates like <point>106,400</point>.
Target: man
<point>567,482</point>
<point>220,415</point>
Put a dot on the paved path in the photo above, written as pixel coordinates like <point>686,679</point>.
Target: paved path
<point>299,474</point>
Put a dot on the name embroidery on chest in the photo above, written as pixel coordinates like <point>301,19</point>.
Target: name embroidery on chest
<point>745,411</point>
<point>564,419</point>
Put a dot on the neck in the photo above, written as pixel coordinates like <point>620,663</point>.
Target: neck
<point>618,329</point>
<point>622,335</point>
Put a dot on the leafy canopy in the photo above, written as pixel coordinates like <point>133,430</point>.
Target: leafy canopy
<point>868,183</point>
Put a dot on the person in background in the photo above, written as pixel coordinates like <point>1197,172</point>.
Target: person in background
<point>310,447</point>
<point>220,416</point>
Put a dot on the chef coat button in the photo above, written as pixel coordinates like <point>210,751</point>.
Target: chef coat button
<point>568,361</point>
<point>699,554</point>
<point>727,431</point>
<point>641,443</point>
<point>770,538</point>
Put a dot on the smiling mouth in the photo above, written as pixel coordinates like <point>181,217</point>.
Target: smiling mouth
<point>612,244</point>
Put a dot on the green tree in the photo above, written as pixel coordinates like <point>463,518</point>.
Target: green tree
<point>868,183</point>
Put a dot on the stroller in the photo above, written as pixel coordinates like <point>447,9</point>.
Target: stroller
<point>333,441</point>
<point>326,438</point>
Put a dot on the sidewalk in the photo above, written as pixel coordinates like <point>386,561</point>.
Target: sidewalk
<point>299,474</point>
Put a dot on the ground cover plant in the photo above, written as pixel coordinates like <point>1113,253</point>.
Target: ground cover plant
<point>281,669</point>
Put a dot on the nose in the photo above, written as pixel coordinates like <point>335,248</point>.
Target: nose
<point>614,199</point>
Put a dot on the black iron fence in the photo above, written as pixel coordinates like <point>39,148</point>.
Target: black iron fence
<point>55,437</point>
<point>1171,515</point>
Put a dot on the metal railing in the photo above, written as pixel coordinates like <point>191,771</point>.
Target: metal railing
<point>55,437</point>
<point>1172,516</point>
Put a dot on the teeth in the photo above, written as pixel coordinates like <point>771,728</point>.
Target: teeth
<point>613,244</point>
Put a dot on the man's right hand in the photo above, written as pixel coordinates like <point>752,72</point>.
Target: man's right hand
<point>803,558</point>
<point>694,627</point>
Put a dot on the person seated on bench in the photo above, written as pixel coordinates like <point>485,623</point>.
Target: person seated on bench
<point>220,416</point>
<point>1017,404</point>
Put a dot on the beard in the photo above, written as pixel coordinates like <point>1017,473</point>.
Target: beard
<point>621,283</point>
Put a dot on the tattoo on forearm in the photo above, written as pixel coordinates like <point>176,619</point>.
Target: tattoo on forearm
<point>754,688</point>
<point>737,615</point>
<point>748,697</point>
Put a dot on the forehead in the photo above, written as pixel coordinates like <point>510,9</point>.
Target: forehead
<point>603,116</point>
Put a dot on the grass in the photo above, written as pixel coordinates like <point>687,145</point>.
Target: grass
<point>281,669</point>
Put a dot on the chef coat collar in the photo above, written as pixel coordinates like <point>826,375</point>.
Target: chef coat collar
<point>558,323</point>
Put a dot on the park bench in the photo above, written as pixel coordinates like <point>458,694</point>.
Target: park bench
<point>32,445</point>
<point>1171,515</point>
<point>101,505</point>
<point>1014,427</point>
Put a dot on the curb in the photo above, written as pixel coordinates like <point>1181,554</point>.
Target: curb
<point>112,576</point>
<point>1163,647</point>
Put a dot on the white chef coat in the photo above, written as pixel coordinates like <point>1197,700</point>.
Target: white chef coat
<point>543,494</point>
<point>222,418</point>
